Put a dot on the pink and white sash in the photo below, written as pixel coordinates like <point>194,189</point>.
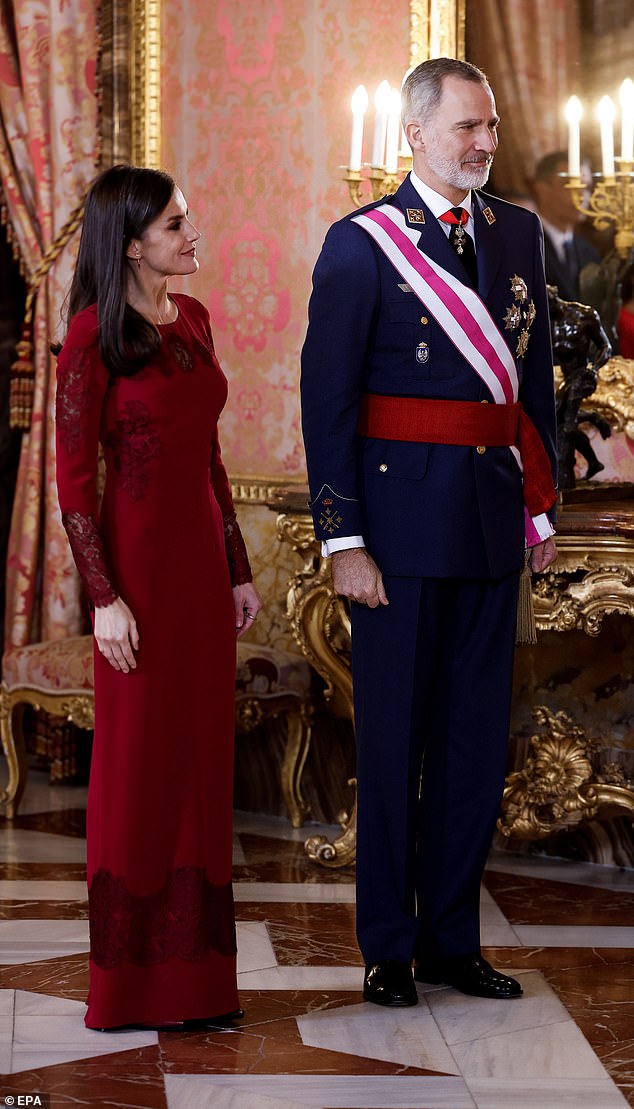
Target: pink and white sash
<point>460,312</point>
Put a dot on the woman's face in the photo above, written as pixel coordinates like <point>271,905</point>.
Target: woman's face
<point>168,245</point>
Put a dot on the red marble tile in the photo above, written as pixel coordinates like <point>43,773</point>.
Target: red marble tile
<point>308,934</point>
<point>275,860</point>
<point>63,977</point>
<point>51,872</point>
<point>273,1047</point>
<point>130,1080</point>
<point>531,901</point>
<point>43,910</point>
<point>68,822</point>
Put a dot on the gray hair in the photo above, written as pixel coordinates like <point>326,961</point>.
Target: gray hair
<point>422,90</point>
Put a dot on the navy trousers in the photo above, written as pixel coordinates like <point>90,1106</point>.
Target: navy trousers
<point>432,677</point>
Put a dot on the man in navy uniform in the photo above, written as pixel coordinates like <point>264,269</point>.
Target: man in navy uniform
<point>427,386</point>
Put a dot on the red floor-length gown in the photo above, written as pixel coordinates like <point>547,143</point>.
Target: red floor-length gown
<point>162,932</point>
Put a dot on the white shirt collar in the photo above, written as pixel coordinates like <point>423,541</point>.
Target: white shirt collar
<point>435,202</point>
<point>557,237</point>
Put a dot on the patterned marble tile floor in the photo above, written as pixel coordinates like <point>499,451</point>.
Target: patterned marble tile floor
<point>308,1039</point>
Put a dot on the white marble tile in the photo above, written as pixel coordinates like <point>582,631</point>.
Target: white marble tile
<point>50,1030</point>
<point>18,845</point>
<point>553,1051</point>
<point>185,1091</point>
<point>406,1036</point>
<point>324,893</point>
<point>41,796</point>
<point>30,890</point>
<point>238,856</point>
<point>7,1002</point>
<point>462,1019</point>
<point>28,1003</point>
<point>494,927</point>
<point>574,935</point>
<point>255,950</point>
<point>303,978</point>
<point>280,827</point>
<point>30,941</point>
<point>562,870</point>
<point>546,1093</point>
<point>5,1057</point>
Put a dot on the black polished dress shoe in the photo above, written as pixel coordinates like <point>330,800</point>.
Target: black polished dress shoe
<point>471,974</point>
<point>389,983</point>
<point>225,1020</point>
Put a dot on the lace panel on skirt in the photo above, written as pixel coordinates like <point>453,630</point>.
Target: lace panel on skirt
<point>187,918</point>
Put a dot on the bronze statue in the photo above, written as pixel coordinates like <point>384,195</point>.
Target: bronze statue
<point>580,347</point>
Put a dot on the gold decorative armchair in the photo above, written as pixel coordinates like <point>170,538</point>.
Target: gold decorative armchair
<point>58,677</point>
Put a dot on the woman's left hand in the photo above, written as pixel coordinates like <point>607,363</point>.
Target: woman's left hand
<point>248,603</point>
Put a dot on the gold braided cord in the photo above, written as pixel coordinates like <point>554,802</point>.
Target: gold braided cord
<point>23,369</point>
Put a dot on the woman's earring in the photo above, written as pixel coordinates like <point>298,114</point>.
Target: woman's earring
<point>138,261</point>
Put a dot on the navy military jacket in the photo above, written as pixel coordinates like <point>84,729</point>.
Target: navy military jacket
<point>431,510</point>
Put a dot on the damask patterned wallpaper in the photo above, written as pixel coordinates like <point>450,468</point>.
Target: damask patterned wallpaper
<point>255,103</point>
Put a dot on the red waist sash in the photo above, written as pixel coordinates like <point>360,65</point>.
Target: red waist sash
<point>467,424</point>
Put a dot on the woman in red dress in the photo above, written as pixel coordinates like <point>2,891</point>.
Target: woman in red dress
<point>165,568</point>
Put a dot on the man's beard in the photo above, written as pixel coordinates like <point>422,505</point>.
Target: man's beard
<point>471,176</point>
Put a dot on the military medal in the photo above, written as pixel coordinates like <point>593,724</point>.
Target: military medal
<point>422,352</point>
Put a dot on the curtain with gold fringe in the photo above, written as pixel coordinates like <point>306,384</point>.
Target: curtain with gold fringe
<point>49,150</point>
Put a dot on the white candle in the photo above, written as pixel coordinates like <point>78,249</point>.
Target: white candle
<point>605,112</point>
<point>393,132</point>
<point>405,151</point>
<point>359,105</point>
<point>626,98</point>
<point>574,112</point>
<point>381,104</point>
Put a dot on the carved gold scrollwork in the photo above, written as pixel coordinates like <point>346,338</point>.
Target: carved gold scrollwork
<point>580,598</point>
<point>342,850</point>
<point>319,619</point>
<point>81,710</point>
<point>558,786</point>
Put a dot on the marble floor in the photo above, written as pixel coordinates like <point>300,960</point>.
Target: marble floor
<point>308,1039</point>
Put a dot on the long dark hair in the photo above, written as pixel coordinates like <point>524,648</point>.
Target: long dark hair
<point>120,204</point>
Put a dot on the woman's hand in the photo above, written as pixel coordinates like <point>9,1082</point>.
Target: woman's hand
<point>116,635</point>
<point>247,603</point>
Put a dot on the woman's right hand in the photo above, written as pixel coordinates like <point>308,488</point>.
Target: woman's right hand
<point>116,635</point>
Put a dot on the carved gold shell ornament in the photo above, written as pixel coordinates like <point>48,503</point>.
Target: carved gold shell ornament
<point>558,786</point>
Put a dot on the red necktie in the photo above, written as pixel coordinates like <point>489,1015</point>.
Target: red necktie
<point>462,242</point>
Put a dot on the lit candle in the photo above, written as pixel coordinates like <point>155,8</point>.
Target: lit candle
<point>574,112</point>
<point>381,104</point>
<point>393,132</point>
<point>605,112</point>
<point>626,97</point>
<point>405,151</point>
<point>359,105</point>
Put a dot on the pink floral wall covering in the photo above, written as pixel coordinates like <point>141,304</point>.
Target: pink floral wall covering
<point>255,127</point>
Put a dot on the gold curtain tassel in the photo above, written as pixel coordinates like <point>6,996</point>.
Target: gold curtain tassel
<point>22,381</point>
<point>526,627</point>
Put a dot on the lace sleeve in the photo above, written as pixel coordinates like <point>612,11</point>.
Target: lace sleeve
<point>82,382</point>
<point>237,557</point>
<point>88,551</point>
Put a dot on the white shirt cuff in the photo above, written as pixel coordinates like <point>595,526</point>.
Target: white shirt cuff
<point>329,546</point>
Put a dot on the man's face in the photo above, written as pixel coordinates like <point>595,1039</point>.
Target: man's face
<point>453,151</point>
<point>554,200</point>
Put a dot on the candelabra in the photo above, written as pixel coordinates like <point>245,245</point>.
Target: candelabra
<point>610,200</point>
<point>374,181</point>
<point>389,163</point>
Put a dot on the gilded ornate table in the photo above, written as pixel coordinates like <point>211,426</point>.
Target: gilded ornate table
<point>593,576</point>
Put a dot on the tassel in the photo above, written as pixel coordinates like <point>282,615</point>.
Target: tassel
<point>526,627</point>
<point>22,383</point>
